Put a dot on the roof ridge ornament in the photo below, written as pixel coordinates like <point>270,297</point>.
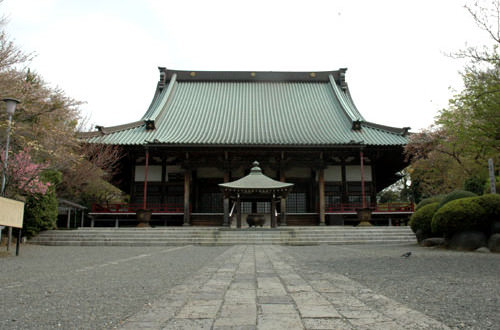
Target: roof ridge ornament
<point>356,125</point>
<point>342,81</point>
<point>255,168</point>
<point>163,77</point>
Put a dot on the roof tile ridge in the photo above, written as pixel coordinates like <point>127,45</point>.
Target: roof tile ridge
<point>101,130</point>
<point>351,102</point>
<point>390,129</point>
<point>164,100</point>
<point>343,103</point>
<point>88,135</point>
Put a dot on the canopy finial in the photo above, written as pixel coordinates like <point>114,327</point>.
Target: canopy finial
<point>255,168</point>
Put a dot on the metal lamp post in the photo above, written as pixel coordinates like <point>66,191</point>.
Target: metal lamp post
<point>10,105</point>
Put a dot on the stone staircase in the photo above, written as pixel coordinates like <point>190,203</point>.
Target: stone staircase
<point>210,236</point>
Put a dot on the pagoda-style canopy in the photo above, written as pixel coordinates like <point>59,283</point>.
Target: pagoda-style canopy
<point>255,186</point>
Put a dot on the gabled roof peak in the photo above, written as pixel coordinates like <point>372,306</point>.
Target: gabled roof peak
<point>280,76</point>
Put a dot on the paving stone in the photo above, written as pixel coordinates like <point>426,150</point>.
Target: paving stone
<point>184,324</point>
<point>257,287</point>
<point>278,308</point>
<point>240,295</point>
<point>309,298</point>
<point>247,285</point>
<point>237,320</point>
<point>326,323</point>
<point>271,292</point>
<point>274,299</point>
<point>324,286</point>
<point>200,309</point>
<point>281,321</point>
<point>237,327</point>
<point>299,288</point>
<point>230,310</point>
<point>317,311</point>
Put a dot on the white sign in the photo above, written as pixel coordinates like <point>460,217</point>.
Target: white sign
<point>11,213</point>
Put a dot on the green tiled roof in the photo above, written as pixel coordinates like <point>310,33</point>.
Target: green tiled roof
<point>256,181</point>
<point>250,109</point>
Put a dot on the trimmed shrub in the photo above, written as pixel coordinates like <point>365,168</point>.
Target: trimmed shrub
<point>491,205</point>
<point>457,194</point>
<point>429,200</point>
<point>458,215</point>
<point>422,218</point>
<point>40,211</point>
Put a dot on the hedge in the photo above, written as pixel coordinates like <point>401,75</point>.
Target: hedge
<point>459,215</point>
<point>457,194</point>
<point>429,200</point>
<point>422,218</point>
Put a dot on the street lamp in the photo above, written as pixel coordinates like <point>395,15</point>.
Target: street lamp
<point>10,106</point>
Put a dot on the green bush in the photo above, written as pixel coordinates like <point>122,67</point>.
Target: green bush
<point>422,218</point>
<point>459,215</point>
<point>429,200</point>
<point>474,184</point>
<point>40,211</point>
<point>491,205</point>
<point>457,194</point>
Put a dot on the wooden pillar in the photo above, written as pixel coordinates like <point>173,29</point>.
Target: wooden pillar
<point>68,222</point>
<point>164,179</point>
<point>273,213</point>
<point>282,203</point>
<point>226,212</point>
<point>321,182</point>
<point>361,161</point>
<point>225,222</point>
<point>187,211</point>
<point>283,212</point>
<point>146,168</point>
<point>238,209</point>
<point>83,214</point>
<point>345,200</point>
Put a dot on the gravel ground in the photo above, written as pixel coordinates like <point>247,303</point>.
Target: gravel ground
<point>90,287</point>
<point>460,289</point>
<point>97,287</point>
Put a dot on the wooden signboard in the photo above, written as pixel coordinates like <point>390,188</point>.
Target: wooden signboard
<point>491,170</point>
<point>11,213</point>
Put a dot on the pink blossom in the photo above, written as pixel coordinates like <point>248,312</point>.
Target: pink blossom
<point>23,176</point>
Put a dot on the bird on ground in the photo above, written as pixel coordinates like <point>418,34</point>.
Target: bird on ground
<point>406,255</point>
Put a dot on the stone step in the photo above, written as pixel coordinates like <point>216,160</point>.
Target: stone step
<point>224,236</point>
<point>299,236</point>
<point>219,243</point>
<point>191,239</point>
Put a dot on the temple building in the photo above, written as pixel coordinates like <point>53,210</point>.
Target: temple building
<point>206,128</point>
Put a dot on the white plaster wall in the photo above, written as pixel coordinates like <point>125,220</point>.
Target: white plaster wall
<point>333,173</point>
<point>154,173</point>
<point>353,173</point>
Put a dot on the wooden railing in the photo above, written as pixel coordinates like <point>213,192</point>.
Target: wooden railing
<point>132,208</point>
<point>382,207</point>
<point>179,208</point>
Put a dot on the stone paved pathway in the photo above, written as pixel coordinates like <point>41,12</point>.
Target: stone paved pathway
<point>262,287</point>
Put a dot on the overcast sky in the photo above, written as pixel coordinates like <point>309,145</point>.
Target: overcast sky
<point>106,52</point>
